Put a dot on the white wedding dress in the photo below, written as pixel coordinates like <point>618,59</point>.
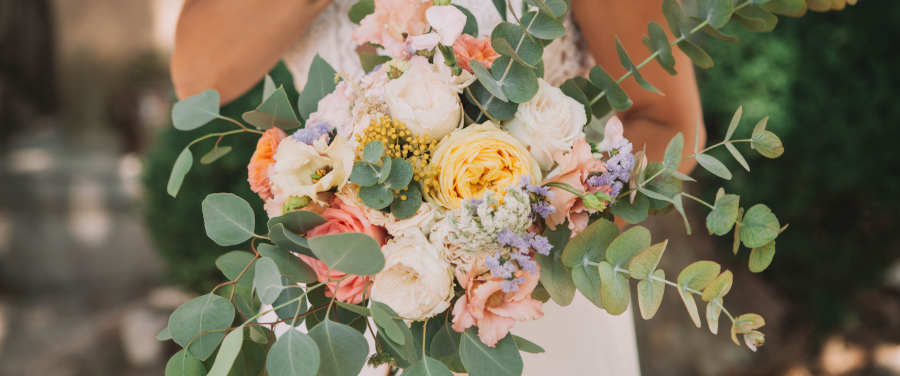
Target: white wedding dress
<point>579,339</point>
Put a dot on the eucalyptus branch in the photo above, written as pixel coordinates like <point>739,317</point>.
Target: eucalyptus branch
<point>244,128</point>
<point>733,321</point>
<point>698,200</point>
<point>655,54</point>
<point>712,147</point>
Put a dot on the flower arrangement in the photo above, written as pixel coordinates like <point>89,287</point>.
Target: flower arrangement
<point>447,195</point>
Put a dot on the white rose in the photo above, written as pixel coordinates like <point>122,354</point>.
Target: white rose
<point>416,282</point>
<point>305,170</point>
<point>426,98</point>
<point>335,109</point>
<point>548,122</point>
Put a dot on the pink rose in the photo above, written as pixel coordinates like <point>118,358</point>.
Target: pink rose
<point>391,23</point>
<point>574,169</point>
<point>493,311</point>
<point>343,218</point>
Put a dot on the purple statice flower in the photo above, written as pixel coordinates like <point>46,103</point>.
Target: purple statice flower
<point>525,262</point>
<point>309,134</point>
<point>543,208</point>
<point>509,285</point>
<point>530,266</point>
<point>616,189</point>
<point>618,166</point>
<point>504,271</point>
<point>509,238</point>
<point>537,190</point>
<point>540,244</point>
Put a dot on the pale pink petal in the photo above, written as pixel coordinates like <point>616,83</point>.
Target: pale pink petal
<point>449,22</point>
<point>462,317</point>
<point>521,311</point>
<point>425,42</point>
<point>492,328</point>
<point>612,134</point>
<point>525,289</point>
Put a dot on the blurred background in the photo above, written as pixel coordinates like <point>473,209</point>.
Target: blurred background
<point>94,255</point>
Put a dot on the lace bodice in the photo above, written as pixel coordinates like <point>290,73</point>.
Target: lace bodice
<point>330,35</point>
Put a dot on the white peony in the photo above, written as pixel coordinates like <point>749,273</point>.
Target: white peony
<point>426,98</point>
<point>548,122</point>
<point>416,281</point>
<point>424,219</point>
<point>305,170</point>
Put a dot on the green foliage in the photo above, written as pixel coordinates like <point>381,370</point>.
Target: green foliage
<point>342,349</point>
<point>626,62</point>
<point>527,346</point>
<point>179,170</point>
<point>267,282</point>
<point>352,253</point>
<point>445,348</point>
<point>586,249</point>
<point>213,155</point>
<point>275,111</point>
<point>184,364</point>
<point>288,241</point>
<point>471,26</point>
<point>228,218</point>
<point>229,351</point>
<point>480,360</point>
<point>294,354</point>
<point>298,222</point>
<point>320,83</point>
<point>555,276</point>
<point>632,212</point>
<point>428,367</point>
<point>233,263</point>
<point>713,165</point>
<point>616,96</point>
<point>194,112</point>
<point>722,217</point>
<point>209,313</point>
<point>650,294</point>
<point>360,10</point>
<point>289,266</point>
<point>759,226</point>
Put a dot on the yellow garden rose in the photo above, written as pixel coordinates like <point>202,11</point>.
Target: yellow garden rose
<point>476,159</point>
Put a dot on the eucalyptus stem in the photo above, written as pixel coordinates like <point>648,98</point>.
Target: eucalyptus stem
<point>733,321</point>
<point>239,124</point>
<point>655,54</point>
<point>698,200</point>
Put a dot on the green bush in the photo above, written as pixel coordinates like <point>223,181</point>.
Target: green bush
<point>176,224</point>
<point>829,82</point>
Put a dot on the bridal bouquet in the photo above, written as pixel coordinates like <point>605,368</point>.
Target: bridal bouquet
<point>447,195</point>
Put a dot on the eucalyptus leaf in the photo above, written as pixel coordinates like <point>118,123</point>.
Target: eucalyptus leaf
<point>359,310</point>
<point>275,111</point>
<point>342,350</point>
<point>650,293</point>
<point>709,30</point>
<point>672,157</point>
<point>294,354</point>
<point>761,257</point>
<point>520,83</point>
<point>480,360</point>
<point>179,170</point>
<point>288,241</point>
<point>696,276</point>
<point>233,263</point>
<point>268,87</point>
<point>759,226</point>
<point>617,97</point>
<point>553,8</point>
<point>320,82</point>
<point>486,78</point>
<point>712,315</point>
<point>214,154</point>
<point>360,10</point>
<point>164,335</point>
<point>267,281</point>
<point>571,90</point>
<point>471,26</point>
<point>719,287</point>
<point>527,346</point>
<point>626,62</point>
<point>735,120</point>
<point>555,276</point>
<point>761,126</point>
<point>195,111</point>
<point>543,26</point>
<point>445,348</point>
<point>228,219</point>
<point>659,42</point>
<point>664,185</point>
<point>767,144</point>
<point>644,264</point>
<point>497,108</point>
<point>713,165</point>
<point>184,364</point>
<point>791,8</point>
<point>229,351</point>
<point>209,313</point>
<point>407,203</point>
<point>296,308</point>
<point>400,175</point>
<point>722,217</point>
<point>697,55</point>
<point>298,221</point>
<point>599,108</point>
<point>613,289</point>
<point>351,253</point>
<point>755,18</point>
<point>627,245</point>
<point>717,12</point>
<point>737,155</point>
<point>369,61</point>
<point>385,169</point>
<point>377,196</point>
<point>428,367</point>
<point>501,8</point>
<point>633,213</point>
<point>289,266</point>
<point>676,19</point>
<point>737,231</point>
<point>365,174</point>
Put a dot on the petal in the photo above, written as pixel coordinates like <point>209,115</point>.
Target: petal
<point>425,42</point>
<point>521,311</point>
<point>492,328</point>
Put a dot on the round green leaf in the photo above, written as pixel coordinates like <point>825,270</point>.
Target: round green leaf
<point>555,277</point>
<point>267,281</point>
<point>664,184</point>
<point>672,157</point>
<point>676,19</point>
<point>193,112</point>
<point>498,109</point>
<point>650,293</point>
<point>698,275</point>
<point>164,335</point>
<point>208,313</point>
<point>627,245</point>
<point>590,244</point>
<point>719,287</point>
<point>229,220</point>
<point>275,111</point>
<point>351,253</point>
<point>761,257</point>
<point>428,367</point>
<point>543,26</point>
<point>360,10</point>
<point>697,55</point>
<point>520,83</point>
<point>445,348</point>
<point>400,175</point>
<point>406,208</point>
<point>289,241</point>
<point>184,364</point>
<point>616,96</point>
<point>553,8</point>
<point>501,360</point>
<point>289,266</point>
<point>759,226</point>
<point>586,279</point>
<point>383,316</point>
<point>342,350</point>
<point>613,289</point>
<point>722,217</point>
<point>767,144</point>
<point>298,221</point>
<point>373,152</point>
<point>717,12</point>
<point>365,174</point>
<point>713,165</point>
<point>233,263</point>
<point>644,264</point>
<point>659,42</point>
<point>377,196</point>
<point>179,170</point>
<point>294,354</point>
<point>632,212</point>
<point>288,312</point>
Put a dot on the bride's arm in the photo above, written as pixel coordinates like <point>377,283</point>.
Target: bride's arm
<point>653,119</point>
<point>229,45</point>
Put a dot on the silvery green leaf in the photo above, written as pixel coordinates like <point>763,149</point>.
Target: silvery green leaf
<point>713,165</point>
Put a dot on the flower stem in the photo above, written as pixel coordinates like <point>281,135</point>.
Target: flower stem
<point>698,200</point>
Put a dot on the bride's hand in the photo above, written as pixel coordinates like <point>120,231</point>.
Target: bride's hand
<point>229,45</point>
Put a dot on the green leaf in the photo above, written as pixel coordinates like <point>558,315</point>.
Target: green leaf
<point>184,364</point>
<point>351,253</point>
<point>373,151</point>
<point>193,112</point>
<point>613,289</point>
<point>400,175</point>
<point>359,310</point>
<point>403,209</point>
<point>360,10</point>
<point>617,97</point>
<point>445,348</point>
<point>682,177</point>
<point>289,266</point>
<point>231,347</point>
<point>275,111</point>
<point>672,157</point>
<point>370,61</point>
<point>712,315</point>
<point>745,323</point>
<point>761,257</point>
<point>233,263</point>
<point>697,55</point>
<point>786,7</point>
<point>486,78</point>
<point>502,47</point>
<point>599,108</point>
<point>759,226</point>
<point>342,350</point>
<point>215,154</point>
<point>208,313</point>
<point>589,245</point>
<point>735,120</point>
<point>717,12</point>
<point>761,126</point>
<point>298,221</point>
<point>377,196</point>
<point>267,281</point>
<point>755,18</point>
<point>627,245</point>
<point>471,26</point>
<point>294,354</point>
<point>520,83</point>
<point>696,276</point>
<point>228,219</point>
<point>527,346</point>
<point>320,82</point>
<point>650,293</point>
<point>365,174</point>
<point>719,287</point>
<point>571,90</point>
<point>543,26</point>
<point>383,316</point>
<point>498,109</point>
<point>659,42</point>
<point>644,264</point>
<point>767,144</point>
<point>428,367</point>
<point>737,155</point>
<point>288,312</point>
<point>385,169</point>
<point>555,277</point>
<point>632,213</point>
<point>724,214</point>
<point>268,87</point>
<point>626,62</point>
<point>554,8</point>
<point>179,170</point>
<point>164,335</point>
<point>480,360</point>
<point>675,18</point>
<point>713,165</point>
<point>288,241</point>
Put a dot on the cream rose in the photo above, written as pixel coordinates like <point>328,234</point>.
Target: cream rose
<point>458,257</point>
<point>426,98</point>
<point>335,110</point>
<point>305,170</point>
<point>416,282</point>
<point>548,122</point>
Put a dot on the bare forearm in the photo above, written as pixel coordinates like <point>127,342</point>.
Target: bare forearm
<point>228,45</point>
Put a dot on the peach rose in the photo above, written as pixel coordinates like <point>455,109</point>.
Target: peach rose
<point>574,169</point>
<point>392,23</point>
<point>468,48</point>
<point>493,311</point>
<point>343,218</point>
<point>258,169</point>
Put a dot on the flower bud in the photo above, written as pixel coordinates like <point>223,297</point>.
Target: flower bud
<point>396,68</point>
<point>295,203</point>
<point>441,2</point>
<point>596,201</point>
